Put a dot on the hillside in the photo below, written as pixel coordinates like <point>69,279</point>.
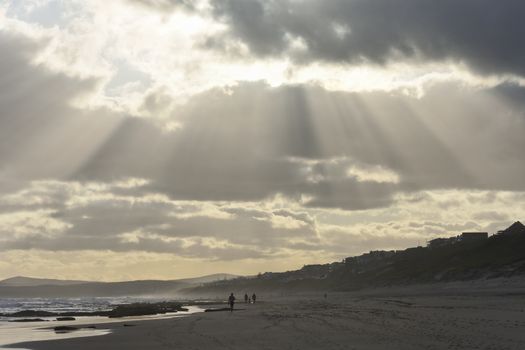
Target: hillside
<point>454,259</point>
<point>209,278</point>
<point>21,281</point>
<point>26,287</point>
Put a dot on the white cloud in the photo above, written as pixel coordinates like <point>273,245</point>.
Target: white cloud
<point>374,174</point>
<point>26,225</point>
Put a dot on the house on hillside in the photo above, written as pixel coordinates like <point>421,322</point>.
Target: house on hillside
<point>516,228</point>
<point>372,256</point>
<point>367,261</point>
<point>316,271</point>
<point>473,236</point>
<point>441,242</point>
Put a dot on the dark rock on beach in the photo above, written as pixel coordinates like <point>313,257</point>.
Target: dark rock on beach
<point>65,329</point>
<point>29,320</point>
<point>136,309</point>
<point>32,313</point>
<point>66,318</point>
<point>141,309</point>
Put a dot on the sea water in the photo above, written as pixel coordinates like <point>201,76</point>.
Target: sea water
<point>17,332</point>
<point>10,305</point>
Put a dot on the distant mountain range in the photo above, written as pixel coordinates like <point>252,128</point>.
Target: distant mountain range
<point>21,281</point>
<point>27,287</point>
<point>470,256</point>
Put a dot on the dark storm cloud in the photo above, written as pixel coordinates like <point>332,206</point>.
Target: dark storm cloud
<point>252,141</point>
<point>255,141</point>
<point>232,149</point>
<point>487,35</point>
<point>351,195</point>
<point>196,249</point>
<point>512,93</point>
<point>113,217</point>
<point>129,224</point>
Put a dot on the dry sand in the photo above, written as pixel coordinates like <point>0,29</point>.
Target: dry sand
<point>378,320</point>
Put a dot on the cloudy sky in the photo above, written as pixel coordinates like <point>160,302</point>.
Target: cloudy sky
<point>175,138</point>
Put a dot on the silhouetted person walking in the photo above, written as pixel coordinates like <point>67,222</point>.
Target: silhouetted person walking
<point>231,301</point>
<point>254,297</point>
<point>246,298</point>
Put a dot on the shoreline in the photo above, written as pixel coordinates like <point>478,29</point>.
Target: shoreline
<point>81,327</point>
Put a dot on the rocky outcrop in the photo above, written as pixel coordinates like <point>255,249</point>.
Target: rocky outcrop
<point>67,318</point>
<point>28,320</point>
<point>141,309</point>
<point>124,310</point>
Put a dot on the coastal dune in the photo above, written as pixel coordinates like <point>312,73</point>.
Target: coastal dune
<point>375,320</point>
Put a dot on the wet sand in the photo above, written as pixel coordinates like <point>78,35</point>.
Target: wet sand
<point>377,320</point>
<point>86,326</point>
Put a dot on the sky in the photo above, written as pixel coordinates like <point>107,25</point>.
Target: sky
<point>163,139</point>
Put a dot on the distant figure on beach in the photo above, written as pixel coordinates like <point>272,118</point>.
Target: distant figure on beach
<point>246,298</point>
<point>231,301</point>
<point>254,297</point>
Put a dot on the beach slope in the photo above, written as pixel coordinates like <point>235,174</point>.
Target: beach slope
<point>342,321</point>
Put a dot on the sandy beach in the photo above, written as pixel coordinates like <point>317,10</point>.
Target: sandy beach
<point>356,165</point>
<point>376,320</point>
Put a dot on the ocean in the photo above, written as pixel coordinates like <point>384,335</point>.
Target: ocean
<point>15,332</point>
<point>10,305</point>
